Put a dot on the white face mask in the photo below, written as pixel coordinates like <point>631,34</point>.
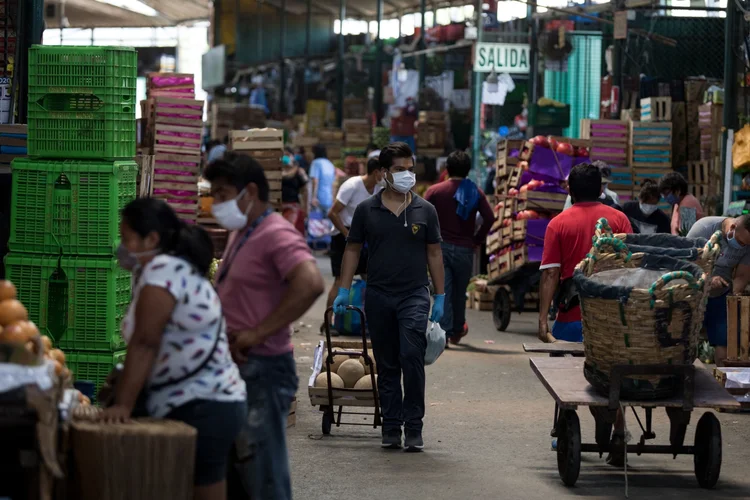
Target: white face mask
<point>647,209</point>
<point>228,214</point>
<point>404,181</point>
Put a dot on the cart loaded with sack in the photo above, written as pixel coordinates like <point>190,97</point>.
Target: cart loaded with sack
<point>642,312</point>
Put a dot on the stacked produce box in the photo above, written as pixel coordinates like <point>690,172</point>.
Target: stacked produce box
<point>266,146</point>
<point>704,181</point>
<point>333,140</point>
<point>609,143</point>
<point>357,133</point>
<point>174,133</point>
<point>650,152</point>
<point>710,119</point>
<point>225,117</point>
<point>530,178</point>
<point>431,133</point>
<point>67,197</point>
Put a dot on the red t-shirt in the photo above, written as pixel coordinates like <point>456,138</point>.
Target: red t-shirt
<point>568,240</point>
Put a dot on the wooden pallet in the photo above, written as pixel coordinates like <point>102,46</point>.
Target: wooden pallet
<point>738,331</point>
<point>656,109</point>
<point>609,140</point>
<point>703,172</point>
<point>256,139</point>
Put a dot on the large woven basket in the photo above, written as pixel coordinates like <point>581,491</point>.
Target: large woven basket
<point>634,326</point>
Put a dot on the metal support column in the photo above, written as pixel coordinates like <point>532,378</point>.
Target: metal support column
<point>378,80</point>
<point>30,25</point>
<point>308,28</point>
<point>282,68</point>
<point>476,94</point>
<point>340,67</point>
<point>533,95</point>
<point>730,67</point>
<point>618,63</point>
<point>422,44</point>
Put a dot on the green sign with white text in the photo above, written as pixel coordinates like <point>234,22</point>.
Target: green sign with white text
<point>502,57</point>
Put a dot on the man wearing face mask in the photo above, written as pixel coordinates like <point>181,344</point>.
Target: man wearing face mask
<point>351,193</point>
<point>403,240</point>
<point>607,197</point>
<point>267,280</point>
<point>731,273</point>
<point>644,214</point>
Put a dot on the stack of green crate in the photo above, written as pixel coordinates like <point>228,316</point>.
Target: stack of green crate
<point>66,201</point>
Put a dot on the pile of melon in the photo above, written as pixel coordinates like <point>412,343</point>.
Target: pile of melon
<point>347,372</point>
<point>15,328</point>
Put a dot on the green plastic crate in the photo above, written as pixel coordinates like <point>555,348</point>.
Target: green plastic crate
<point>69,207</point>
<point>82,102</point>
<point>78,302</point>
<point>92,366</point>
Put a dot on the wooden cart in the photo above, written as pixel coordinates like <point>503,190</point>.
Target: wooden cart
<point>329,398</point>
<point>563,378</point>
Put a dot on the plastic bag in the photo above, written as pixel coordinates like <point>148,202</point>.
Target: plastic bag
<point>435,343</point>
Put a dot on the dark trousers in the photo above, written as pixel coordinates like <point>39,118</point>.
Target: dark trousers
<point>458,262</point>
<point>398,325</point>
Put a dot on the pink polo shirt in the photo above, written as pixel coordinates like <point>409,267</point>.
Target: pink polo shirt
<point>689,201</point>
<point>255,283</point>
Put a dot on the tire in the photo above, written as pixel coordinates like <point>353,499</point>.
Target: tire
<point>326,423</point>
<point>501,309</point>
<point>707,455</point>
<point>569,447</point>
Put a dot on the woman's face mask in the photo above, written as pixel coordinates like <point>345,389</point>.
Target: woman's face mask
<point>672,199</point>
<point>647,208</point>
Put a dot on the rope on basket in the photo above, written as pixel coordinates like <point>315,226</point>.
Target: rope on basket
<point>673,275</point>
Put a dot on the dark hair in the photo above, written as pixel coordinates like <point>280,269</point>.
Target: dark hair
<point>371,147</point>
<point>585,183</point>
<point>673,182</point>
<point>392,151</point>
<point>238,170</point>
<point>319,151</point>
<point>649,190</point>
<point>744,221</point>
<point>373,164</point>
<point>226,139</point>
<point>189,242</point>
<point>458,164</point>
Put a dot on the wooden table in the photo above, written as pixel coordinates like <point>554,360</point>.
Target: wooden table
<point>555,348</point>
<point>564,380</point>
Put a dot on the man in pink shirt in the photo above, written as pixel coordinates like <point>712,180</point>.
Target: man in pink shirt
<point>686,209</point>
<point>267,280</point>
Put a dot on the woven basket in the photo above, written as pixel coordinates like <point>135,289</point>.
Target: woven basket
<point>698,250</point>
<point>633,326</point>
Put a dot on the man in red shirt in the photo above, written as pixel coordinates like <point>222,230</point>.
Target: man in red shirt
<point>566,243</point>
<point>457,202</point>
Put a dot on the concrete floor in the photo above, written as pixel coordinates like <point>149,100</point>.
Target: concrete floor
<point>487,435</point>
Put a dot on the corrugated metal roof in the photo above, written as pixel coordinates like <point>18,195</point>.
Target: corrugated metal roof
<point>95,14</point>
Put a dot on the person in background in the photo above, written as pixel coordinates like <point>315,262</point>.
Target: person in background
<point>217,150</point>
<point>267,280</point>
<point>457,203</point>
<point>301,159</point>
<point>731,274</point>
<point>644,214</point>
<point>323,175</point>
<point>608,197</point>
<point>372,151</point>
<point>293,192</point>
<point>178,352</point>
<point>402,233</point>
<point>351,193</point>
<point>566,243</point>
<point>686,209</point>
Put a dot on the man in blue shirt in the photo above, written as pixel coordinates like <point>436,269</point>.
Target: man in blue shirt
<point>323,175</point>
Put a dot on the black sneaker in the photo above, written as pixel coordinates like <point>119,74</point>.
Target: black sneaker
<point>391,439</point>
<point>413,441</point>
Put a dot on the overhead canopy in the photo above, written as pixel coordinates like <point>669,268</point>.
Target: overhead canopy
<point>99,14</point>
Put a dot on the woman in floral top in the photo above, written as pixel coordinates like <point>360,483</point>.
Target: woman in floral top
<point>178,357</point>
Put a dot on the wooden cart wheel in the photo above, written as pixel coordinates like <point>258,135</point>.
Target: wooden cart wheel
<point>327,422</point>
<point>569,447</point>
<point>501,309</point>
<point>707,457</point>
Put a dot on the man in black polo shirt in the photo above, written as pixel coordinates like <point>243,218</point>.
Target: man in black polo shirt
<point>403,239</point>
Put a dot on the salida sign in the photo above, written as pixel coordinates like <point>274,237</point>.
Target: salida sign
<point>501,57</point>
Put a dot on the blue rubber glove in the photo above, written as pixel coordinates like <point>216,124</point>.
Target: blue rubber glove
<point>437,308</point>
<point>342,300</point>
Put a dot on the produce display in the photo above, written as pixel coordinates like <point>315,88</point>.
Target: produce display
<point>17,330</point>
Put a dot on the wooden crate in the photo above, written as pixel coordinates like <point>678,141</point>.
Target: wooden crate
<point>679,134</point>
<point>703,172</point>
<point>501,265</point>
<point>656,109</point>
<point>518,257</point>
<point>482,300</point>
<point>518,230</point>
<point>504,161</point>
<point>539,200</point>
<point>256,139</point>
<point>432,116</point>
<point>622,181</point>
<point>650,145</point>
<point>738,331</point>
<point>710,120</point>
<point>583,142</point>
<point>609,140</point>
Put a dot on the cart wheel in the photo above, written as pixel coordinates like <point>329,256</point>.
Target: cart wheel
<point>501,309</point>
<point>707,457</point>
<point>569,447</point>
<point>326,423</point>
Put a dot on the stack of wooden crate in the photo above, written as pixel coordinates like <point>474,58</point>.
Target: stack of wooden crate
<point>225,117</point>
<point>266,146</point>
<point>656,109</point>
<point>694,93</point>
<point>650,152</point>
<point>704,181</point>
<point>173,136</point>
<point>333,140</point>
<point>174,85</point>
<point>431,133</point>
<point>356,133</point>
<point>710,119</point>
<point>610,141</point>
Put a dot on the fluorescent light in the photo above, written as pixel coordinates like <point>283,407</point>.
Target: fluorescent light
<point>133,6</point>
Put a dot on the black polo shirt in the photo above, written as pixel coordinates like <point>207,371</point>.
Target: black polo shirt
<point>397,253</point>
